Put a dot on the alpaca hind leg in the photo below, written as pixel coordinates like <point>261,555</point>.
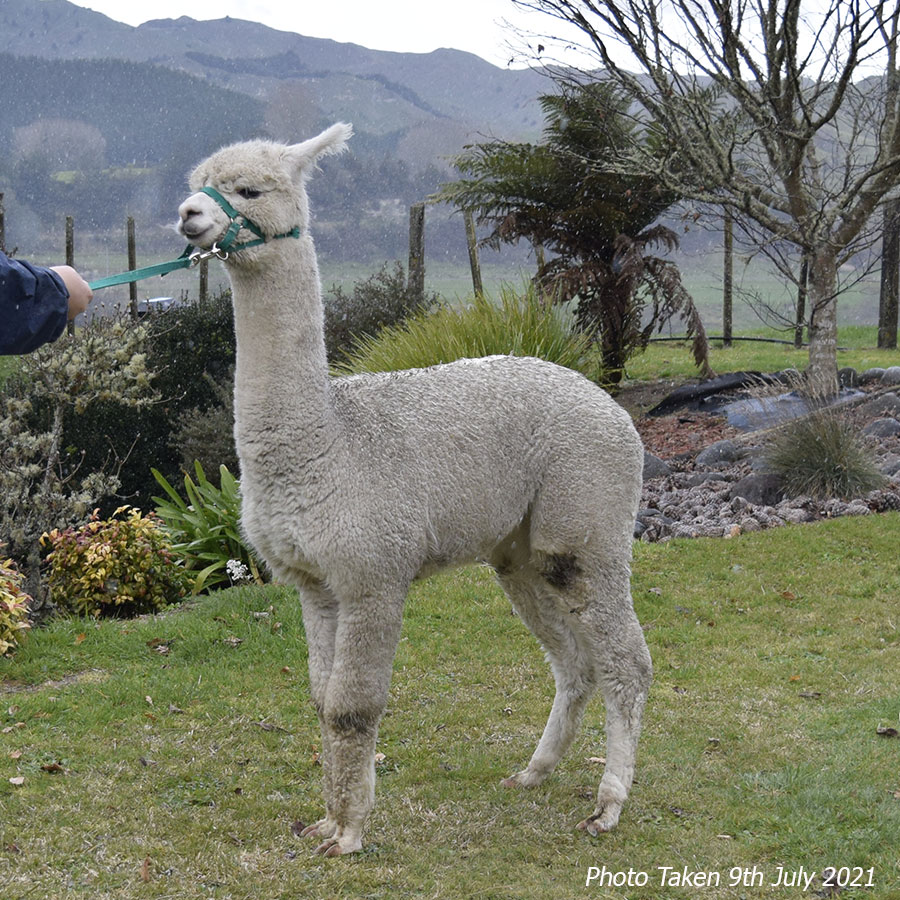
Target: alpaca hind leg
<point>320,624</point>
<point>355,699</point>
<point>625,674</point>
<point>572,666</point>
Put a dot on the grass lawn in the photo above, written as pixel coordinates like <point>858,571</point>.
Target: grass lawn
<point>168,757</point>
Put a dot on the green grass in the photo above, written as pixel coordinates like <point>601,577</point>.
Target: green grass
<point>776,657</point>
<point>672,359</point>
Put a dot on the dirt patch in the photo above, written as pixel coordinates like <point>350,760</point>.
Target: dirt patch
<point>86,676</point>
<point>669,436</point>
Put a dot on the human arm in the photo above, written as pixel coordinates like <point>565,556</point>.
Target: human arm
<point>35,303</point>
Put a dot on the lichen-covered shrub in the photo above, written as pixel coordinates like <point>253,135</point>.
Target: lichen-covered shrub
<point>120,566</point>
<point>13,606</point>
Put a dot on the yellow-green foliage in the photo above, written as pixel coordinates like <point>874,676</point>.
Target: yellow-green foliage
<point>13,606</point>
<point>117,566</point>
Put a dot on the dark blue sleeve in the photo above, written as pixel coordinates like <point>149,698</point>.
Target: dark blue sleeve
<point>34,306</point>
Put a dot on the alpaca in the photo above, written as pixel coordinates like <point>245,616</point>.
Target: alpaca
<point>353,487</point>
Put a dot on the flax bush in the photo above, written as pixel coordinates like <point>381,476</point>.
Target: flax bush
<point>205,529</point>
<point>118,566</point>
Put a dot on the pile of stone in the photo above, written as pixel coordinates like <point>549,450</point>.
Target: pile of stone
<point>725,490</point>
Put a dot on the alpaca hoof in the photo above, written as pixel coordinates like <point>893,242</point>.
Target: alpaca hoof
<point>321,829</point>
<point>601,821</point>
<point>339,846</point>
<point>523,779</point>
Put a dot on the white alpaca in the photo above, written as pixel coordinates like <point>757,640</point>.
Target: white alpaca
<point>353,487</point>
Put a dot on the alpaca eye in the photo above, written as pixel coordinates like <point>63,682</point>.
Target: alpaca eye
<point>249,193</point>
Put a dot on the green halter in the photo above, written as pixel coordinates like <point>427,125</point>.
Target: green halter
<point>192,256</point>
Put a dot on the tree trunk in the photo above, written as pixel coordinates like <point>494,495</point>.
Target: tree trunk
<point>890,277</point>
<point>822,370</point>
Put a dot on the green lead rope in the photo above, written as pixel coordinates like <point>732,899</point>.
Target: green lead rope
<point>186,260</point>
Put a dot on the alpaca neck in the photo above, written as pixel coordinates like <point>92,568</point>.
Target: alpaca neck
<point>282,388</point>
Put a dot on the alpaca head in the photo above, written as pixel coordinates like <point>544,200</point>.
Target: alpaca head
<point>262,180</point>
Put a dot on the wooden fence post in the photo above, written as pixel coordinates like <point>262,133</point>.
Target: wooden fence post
<point>472,243</point>
<point>70,257</point>
<point>416,275</point>
<point>204,280</point>
<point>132,264</point>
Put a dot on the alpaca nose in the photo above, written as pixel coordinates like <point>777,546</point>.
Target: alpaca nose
<point>190,213</point>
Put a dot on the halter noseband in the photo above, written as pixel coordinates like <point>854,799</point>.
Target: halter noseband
<point>238,222</point>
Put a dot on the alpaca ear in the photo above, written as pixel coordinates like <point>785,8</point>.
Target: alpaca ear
<point>333,140</point>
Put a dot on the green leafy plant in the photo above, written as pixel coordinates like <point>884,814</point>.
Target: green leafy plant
<point>821,455</point>
<point>13,606</point>
<point>520,324</point>
<point>116,566</point>
<point>205,529</point>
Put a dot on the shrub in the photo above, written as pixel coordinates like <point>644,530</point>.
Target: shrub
<point>521,325</point>
<point>820,455</point>
<point>205,528</point>
<point>13,606</point>
<point>119,566</point>
<point>207,435</point>
<point>46,480</point>
<point>381,300</point>
<point>185,344</point>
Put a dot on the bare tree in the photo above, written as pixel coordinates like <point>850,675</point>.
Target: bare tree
<point>765,109</point>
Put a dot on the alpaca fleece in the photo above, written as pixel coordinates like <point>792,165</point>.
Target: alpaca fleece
<point>354,487</point>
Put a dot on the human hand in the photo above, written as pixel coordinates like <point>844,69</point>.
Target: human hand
<point>80,293</point>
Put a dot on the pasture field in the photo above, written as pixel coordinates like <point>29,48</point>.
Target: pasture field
<point>173,756</point>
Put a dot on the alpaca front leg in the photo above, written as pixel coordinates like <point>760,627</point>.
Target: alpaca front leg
<point>320,616</point>
<point>355,700</point>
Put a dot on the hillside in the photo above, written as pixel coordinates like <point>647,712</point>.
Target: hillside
<point>382,92</point>
<point>103,120</point>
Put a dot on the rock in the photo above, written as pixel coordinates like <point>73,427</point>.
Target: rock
<point>871,375</point>
<point>848,377</point>
<point>890,465</point>
<point>883,405</point>
<point>760,488</point>
<point>882,428</point>
<point>891,375</point>
<point>721,453</point>
<point>654,467</point>
<point>697,478</point>
<point>749,524</point>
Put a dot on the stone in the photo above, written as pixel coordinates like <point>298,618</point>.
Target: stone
<point>721,453</point>
<point>654,467</point>
<point>871,375</point>
<point>882,428</point>
<point>891,375</point>
<point>848,377</point>
<point>884,405</point>
<point>760,488</point>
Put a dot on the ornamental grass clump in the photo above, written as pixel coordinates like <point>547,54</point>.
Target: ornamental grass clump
<point>820,455</point>
<point>520,325</point>
<point>13,606</point>
<point>117,566</point>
